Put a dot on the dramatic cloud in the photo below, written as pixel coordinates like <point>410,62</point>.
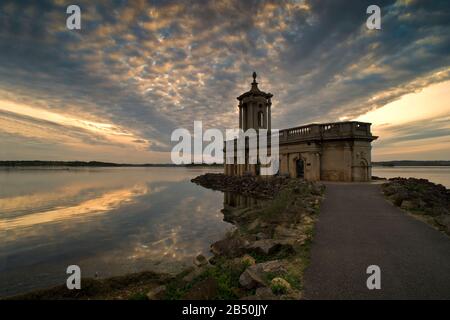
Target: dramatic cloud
<point>139,69</point>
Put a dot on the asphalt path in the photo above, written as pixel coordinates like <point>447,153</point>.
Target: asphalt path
<point>357,228</point>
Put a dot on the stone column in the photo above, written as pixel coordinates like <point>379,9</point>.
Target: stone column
<point>269,117</point>
<point>250,113</point>
<point>240,116</point>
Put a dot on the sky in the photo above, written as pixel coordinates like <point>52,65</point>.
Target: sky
<point>137,70</point>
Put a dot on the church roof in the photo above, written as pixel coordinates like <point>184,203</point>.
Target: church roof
<point>254,91</point>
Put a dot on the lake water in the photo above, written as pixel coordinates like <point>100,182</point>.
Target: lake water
<point>434,174</point>
<point>108,221</point>
<point>113,221</point>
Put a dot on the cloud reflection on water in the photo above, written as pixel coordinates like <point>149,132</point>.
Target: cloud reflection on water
<point>111,222</point>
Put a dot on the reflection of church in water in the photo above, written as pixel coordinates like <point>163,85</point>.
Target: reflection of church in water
<point>236,200</point>
<point>337,151</point>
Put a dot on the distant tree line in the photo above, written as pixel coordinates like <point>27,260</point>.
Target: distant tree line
<point>411,163</point>
<point>40,163</point>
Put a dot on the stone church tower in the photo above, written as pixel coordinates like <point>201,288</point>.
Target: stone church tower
<point>254,108</point>
<point>335,151</point>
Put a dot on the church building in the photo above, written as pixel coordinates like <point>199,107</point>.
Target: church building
<point>336,151</point>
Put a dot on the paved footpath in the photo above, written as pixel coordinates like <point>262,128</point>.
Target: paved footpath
<point>357,227</point>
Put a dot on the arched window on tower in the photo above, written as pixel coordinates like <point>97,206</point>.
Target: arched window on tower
<point>261,119</point>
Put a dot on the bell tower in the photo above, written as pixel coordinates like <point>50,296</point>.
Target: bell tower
<point>255,108</point>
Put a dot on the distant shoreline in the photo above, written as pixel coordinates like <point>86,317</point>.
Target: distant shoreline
<point>411,163</point>
<point>40,163</point>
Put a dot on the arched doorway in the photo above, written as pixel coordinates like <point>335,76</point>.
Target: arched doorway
<point>300,168</point>
<point>364,170</point>
<point>361,171</point>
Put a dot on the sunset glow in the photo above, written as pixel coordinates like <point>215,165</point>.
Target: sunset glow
<point>117,88</point>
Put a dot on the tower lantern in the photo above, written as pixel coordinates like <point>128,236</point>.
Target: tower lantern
<point>255,108</point>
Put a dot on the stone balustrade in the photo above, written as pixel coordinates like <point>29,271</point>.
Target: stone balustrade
<point>326,131</point>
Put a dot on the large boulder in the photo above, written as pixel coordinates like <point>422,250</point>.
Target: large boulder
<point>200,260</point>
<point>251,279</point>
<point>229,247</point>
<point>255,275</point>
<point>269,246</point>
<point>399,197</point>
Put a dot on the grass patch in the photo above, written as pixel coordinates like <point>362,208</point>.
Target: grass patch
<point>224,272</point>
<point>277,205</point>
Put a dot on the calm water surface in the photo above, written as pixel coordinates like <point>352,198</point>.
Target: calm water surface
<point>113,221</point>
<point>109,221</point>
<point>434,174</point>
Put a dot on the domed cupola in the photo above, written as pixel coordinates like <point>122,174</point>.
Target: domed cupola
<point>255,108</point>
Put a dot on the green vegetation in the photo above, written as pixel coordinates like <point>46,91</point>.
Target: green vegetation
<point>224,273</point>
<point>278,289</point>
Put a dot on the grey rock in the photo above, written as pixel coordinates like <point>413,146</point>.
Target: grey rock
<point>249,279</point>
<point>261,235</point>
<point>282,232</point>
<point>269,246</point>
<point>253,276</point>
<point>230,247</point>
<point>444,221</point>
<point>273,266</point>
<point>200,260</point>
<point>408,205</point>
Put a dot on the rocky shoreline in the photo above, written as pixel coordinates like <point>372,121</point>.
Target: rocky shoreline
<point>255,187</point>
<point>265,255</point>
<point>423,199</point>
<point>263,258</point>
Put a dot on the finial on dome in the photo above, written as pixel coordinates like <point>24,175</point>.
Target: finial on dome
<point>254,77</point>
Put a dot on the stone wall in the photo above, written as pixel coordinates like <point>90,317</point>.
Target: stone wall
<point>336,161</point>
<point>329,152</point>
